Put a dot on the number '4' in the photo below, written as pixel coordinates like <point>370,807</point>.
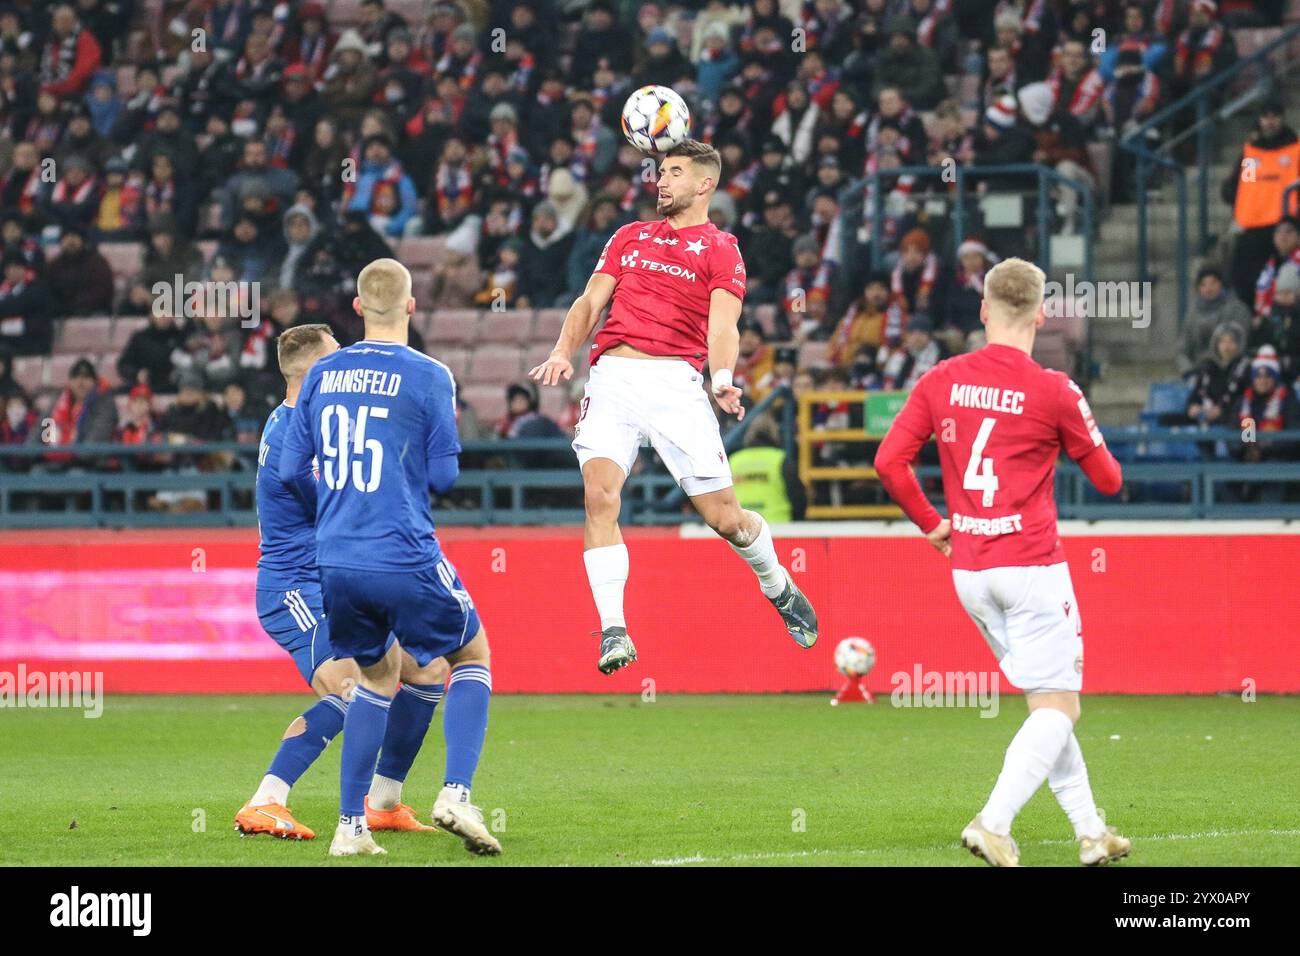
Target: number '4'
<point>979,470</point>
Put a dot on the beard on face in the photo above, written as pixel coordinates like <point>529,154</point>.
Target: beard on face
<point>673,206</point>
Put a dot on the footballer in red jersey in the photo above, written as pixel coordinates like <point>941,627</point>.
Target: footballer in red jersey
<point>676,286</point>
<point>1001,421</point>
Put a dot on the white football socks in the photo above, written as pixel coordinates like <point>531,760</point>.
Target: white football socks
<point>385,792</point>
<point>1068,779</point>
<point>607,569</point>
<point>270,790</point>
<point>761,556</point>
<point>1033,752</point>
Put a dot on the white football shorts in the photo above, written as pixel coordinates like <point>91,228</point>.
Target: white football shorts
<point>1030,618</point>
<point>629,401</point>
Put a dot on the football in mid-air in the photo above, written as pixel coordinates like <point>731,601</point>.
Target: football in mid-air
<point>655,119</point>
<point>854,657</point>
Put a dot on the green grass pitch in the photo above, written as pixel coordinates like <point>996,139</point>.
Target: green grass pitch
<point>731,780</point>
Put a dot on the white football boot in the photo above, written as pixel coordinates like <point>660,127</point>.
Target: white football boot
<point>1107,848</point>
<point>994,849</point>
<point>459,816</point>
<point>353,839</point>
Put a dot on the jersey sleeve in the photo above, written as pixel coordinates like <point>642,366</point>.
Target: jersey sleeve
<point>915,417</point>
<point>727,269</point>
<point>295,465</point>
<point>1075,426</point>
<point>611,257</point>
<point>442,440</point>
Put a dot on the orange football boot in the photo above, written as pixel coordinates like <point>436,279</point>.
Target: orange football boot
<point>400,817</point>
<point>273,819</point>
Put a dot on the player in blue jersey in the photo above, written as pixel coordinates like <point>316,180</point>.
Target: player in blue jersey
<point>290,610</point>
<point>380,420</point>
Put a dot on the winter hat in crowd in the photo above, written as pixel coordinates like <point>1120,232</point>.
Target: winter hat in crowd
<point>503,111</point>
<point>917,239</point>
<point>976,245</point>
<point>1265,360</point>
<point>1288,279</point>
<point>920,323</point>
<point>1001,113</point>
<point>806,244</point>
<point>464,32</point>
<point>1205,6</point>
<point>1036,102</point>
<point>657,36</point>
<point>350,40</point>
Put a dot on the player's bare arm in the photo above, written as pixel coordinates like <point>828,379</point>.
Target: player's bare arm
<point>578,325</point>
<point>724,348</point>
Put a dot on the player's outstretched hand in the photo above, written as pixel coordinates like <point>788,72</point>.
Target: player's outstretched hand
<point>728,397</point>
<point>941,538</point>
<point>550,372</point>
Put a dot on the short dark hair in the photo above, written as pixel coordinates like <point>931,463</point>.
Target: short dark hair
<point>701,154</point>
<point>295,345</point>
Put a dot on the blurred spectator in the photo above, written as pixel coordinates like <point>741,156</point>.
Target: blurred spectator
<point>863,324</point>
<point>18,426</point>
<point>914,285</point>
<point>245,420</point>
<point>9,385</point>
<point>503,281</point>
<point>210,350</point>
<point>84,411</point>
<point>382,189</point>
<point>1204,48</point>
<point>920,352</point>
<point>1059,136</point>
<point>25,318</point>
<point>120,201</point>
<point>70,56</point>
<point>15,238</point>
<point>147,358</point>
<point>1212,307</point>
<point>754,361</point>
<point>601,221</point>
<point>73,201</point>
<point>80,278</point>
<point>194,417</point>
<point>766,478</point>
<point>1001,141</point>
<point>602,38</point>
<point>24,186</point>
<point>1219,379</point>
<point>139,427</point>
<point>169,254</point>
<point>785,362</point>
<point>1267,405</point>
<point>962,329</point>
<point>1131,97</point>
<point>912,68</point>
<point>1286,249</point>
<point>257,179</point>
<point>543,259</point>
<point>1256,199</point>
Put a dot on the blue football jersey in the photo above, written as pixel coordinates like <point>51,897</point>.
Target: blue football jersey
<point>380,420</point>
<point>286,515</point>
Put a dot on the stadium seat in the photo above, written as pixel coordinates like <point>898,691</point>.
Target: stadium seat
<point>57,368</point>
<point>548,324</point>
<point>421,252</point>
<point>495,364</point>
<point>814,354</point>
<point>555,401</point>
<point>456,359</point>
<point>344,13</point>
<point>488,402</point>
<point>1166,397</point>
<point>125,326</point>
<point>536,354</point>
<point>765,315</point>
<point>106,364</point>
<point>452,326</point>
<point>30,373</point>
<point>422,285</point>
<point>84,335</point>
<point>1052,351</point>
<point>412,11</point>
<point>125,258</point>
<point>514,326</point>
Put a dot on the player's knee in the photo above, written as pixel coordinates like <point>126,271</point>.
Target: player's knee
<point>728,524</point>
<point>601,501</point>
<point>297,728</point>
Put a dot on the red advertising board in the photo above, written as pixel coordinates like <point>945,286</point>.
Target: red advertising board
<point>1186,610</point>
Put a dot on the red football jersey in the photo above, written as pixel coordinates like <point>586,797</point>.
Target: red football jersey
<point>664,279</point>
<point>1001,420</point>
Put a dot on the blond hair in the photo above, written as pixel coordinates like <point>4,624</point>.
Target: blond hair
<point>384,288</point>
<point>298,347</point>
<point>1013,290</point>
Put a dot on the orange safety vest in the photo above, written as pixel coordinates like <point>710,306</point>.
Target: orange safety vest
<point>1265,175</point>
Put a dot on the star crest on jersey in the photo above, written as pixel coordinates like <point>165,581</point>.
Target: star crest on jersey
<point>644,235</point>
<point>696,246</point>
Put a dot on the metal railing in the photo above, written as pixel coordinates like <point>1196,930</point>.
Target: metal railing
<point>96,498</point>
<point>1148,159</point>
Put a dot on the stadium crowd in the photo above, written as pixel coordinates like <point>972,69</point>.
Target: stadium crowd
<point>285,144</point>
